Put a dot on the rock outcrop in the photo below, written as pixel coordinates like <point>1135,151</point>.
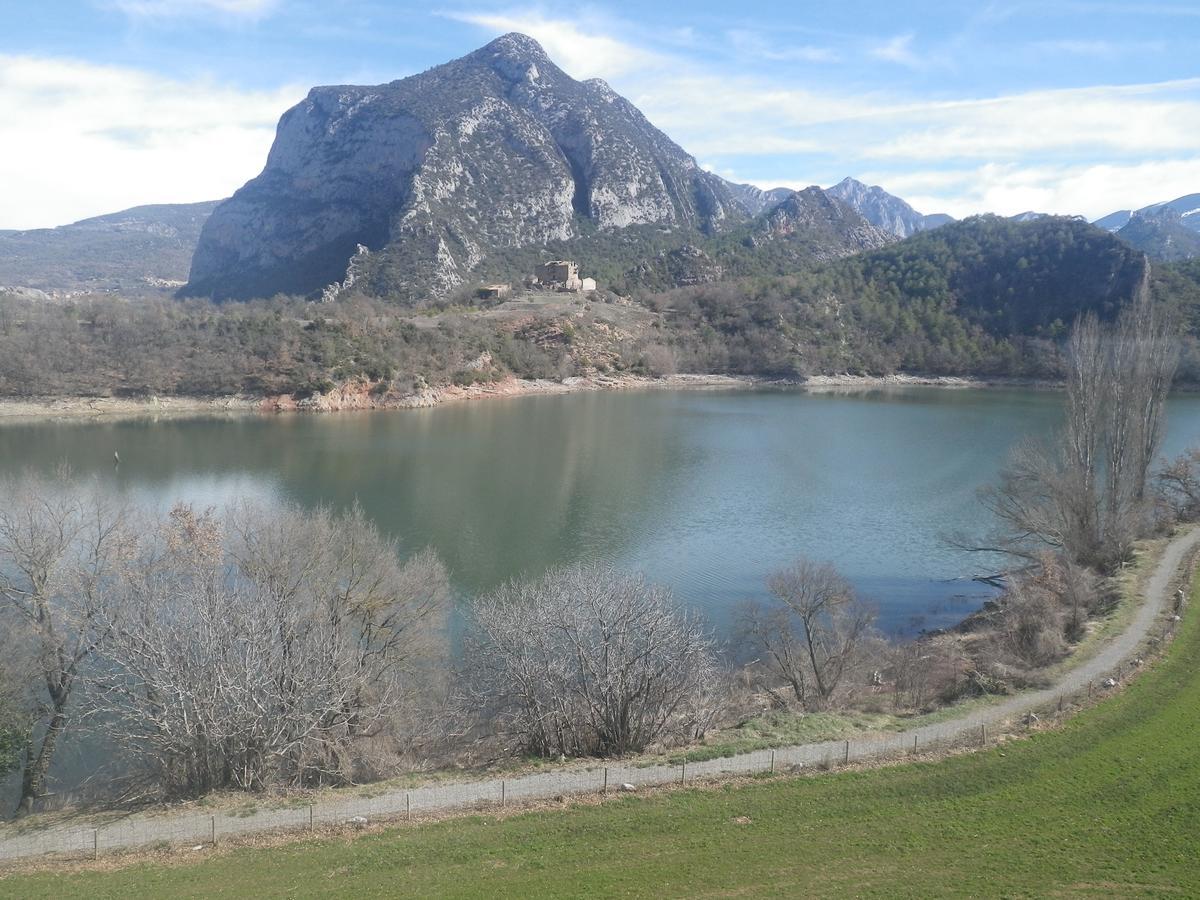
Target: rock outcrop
<point>434,172</point>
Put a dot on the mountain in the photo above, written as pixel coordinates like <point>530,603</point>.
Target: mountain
<point>1187,206</point>
<point>1160,233</point>
<point>1028,216</point>
<point>1114,221</point>
<point>884,210</point>
<point>138,250</point>
<point>826,227</point>
<point>431,173</point>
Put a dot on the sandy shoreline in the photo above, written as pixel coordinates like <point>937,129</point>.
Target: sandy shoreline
<point>361,395</point>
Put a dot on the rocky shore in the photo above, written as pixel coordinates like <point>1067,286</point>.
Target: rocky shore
<point>361,394</point>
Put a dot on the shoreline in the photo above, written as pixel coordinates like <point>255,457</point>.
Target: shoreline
<point>364,395</point>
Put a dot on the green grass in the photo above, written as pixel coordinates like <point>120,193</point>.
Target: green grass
<point>1107,806</point>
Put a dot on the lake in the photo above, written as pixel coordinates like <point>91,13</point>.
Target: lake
<point>707,491</point>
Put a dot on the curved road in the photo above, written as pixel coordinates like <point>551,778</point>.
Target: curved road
<point>202,829</point>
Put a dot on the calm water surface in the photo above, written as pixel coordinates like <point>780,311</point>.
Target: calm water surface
<point>707,491</point>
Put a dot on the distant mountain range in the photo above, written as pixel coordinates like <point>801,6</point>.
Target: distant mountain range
<point>1188,208</point>
<point>147,249</point>
<point>1167,231</point>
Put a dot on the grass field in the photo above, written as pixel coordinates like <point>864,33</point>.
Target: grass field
<point>1107,806</point>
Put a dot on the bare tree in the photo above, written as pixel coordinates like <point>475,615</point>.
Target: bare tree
<point>1086,492</point>
<point>1179,485</point>
<point>261,648</point>
<point>586,661</point>
<point>62,550</point>
<point>14,724</point>
<point>814,632</point>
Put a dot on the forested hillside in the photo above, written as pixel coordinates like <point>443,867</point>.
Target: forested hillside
<point>986,296</point>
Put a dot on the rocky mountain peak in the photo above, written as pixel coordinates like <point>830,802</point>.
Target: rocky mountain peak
<point>516,57</point>
<point>884,210</point>
<point>436,172</point>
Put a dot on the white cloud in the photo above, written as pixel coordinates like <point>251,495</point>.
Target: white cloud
<point>753,44</point>
<point>1124,120</point>
<point>1081,189</point>
<point>899,50</point>
<point>171,9</point>
<point>81,139</point>
<point>581,51</point>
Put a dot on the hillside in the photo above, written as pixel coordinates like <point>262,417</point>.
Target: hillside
<point>131,252</point>
<point>984,296</point>
<point>1188,208</point>
<point>1160,233</point>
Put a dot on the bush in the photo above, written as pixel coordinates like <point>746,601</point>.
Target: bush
<point>586,661</point>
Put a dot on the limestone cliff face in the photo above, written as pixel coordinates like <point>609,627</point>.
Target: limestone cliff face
<point>432,173</point>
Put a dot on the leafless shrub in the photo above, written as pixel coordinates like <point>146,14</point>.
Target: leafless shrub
<point>587,661</point>
<point>814,632</point>
<point>263,648</point>
<point>63,548</point>
<point>1179,485</point>
<point>659,360</point>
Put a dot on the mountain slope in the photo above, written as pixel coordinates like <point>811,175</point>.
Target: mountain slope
<point>884,210</point>
<point>497,149</point>
<point>1160,232</point>
<point>1188,208</point>
<point>824,226</point>
<point>985,295</point>
<point>132,251</point>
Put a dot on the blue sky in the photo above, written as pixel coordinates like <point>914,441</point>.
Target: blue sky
<point>1069,107</point>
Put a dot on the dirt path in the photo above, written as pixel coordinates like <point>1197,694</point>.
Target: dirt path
<point>203,829</point>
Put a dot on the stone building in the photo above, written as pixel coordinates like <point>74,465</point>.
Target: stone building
<point>494,291</point>
<point>559,274</point>
<point>562,275</point>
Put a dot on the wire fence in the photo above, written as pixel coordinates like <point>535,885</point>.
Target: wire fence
<point>1014,715</point>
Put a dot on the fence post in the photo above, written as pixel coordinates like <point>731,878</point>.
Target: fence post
<point>846,760</point>
<point>95,843</point>
<point>683,771</point>
<point>914,743</point>
<point>772,762</point>
<point>213,827</point>
<point>310,817</point>
<point>983,734</point>
<point>407,806</point>
<point>502,790</point>
<point>604,790</point>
